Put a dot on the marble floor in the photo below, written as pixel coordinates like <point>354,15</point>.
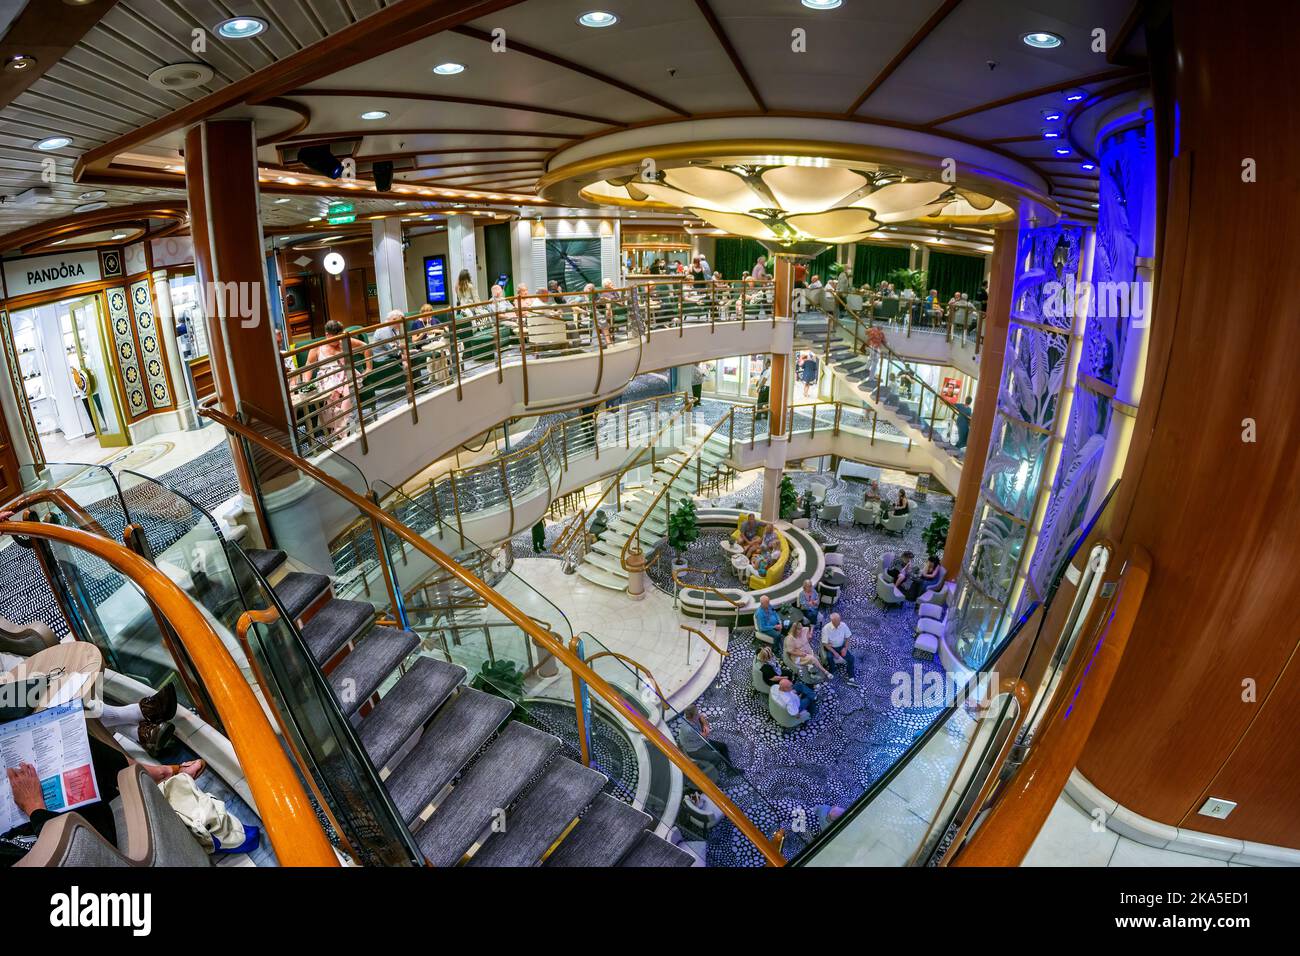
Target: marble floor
<point>648,631</point>
<point>1070,837</point>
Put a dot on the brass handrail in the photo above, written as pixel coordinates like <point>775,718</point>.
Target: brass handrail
<point>888,355</point>
<point>525,623</point>
<point>707,640</point>
<point>439,354</point>
<point>291,822</point>
<point>635,537</point>
<point>563,540</point>
<point>709,589</point>
<point>635,663</point>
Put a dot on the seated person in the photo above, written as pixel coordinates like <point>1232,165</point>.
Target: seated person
<point>785,696</point>
<point>931,575</point>
<point>835,644</point>
<point>872,493</point>
<point>799,651</point>
<point>599,524</point>
<point>693,734</point>
<point>774,670</point>
<point>750,534</point>
<point>107,761</point>
<point>768,621</point>
<point>809,603</point>
<point>769,544</point>
<point>902,506</point>
<point>903,576</point>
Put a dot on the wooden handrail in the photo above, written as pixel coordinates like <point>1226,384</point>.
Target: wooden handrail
<point>525,623</point>
<point>61,499</point>
<point>1020,811</point>
<point>287,813</point>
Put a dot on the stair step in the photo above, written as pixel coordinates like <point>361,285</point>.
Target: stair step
<point>651,850</point>
<point>364,669</point>
<point>556,800</point>
<point>606,562</point>
<point>405,708</point>
<point>456,734</point>
<point>494,781</point>
<point>299,589</point>
<point>336,623</point>
<point>265,561</point>
<point>595,575</point>
<point>604,835</point>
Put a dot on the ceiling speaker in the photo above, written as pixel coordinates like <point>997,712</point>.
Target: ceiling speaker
<point>321,159</point>
<point>383,173</point>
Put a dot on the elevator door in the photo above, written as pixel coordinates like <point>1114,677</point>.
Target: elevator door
<point>92,376</point>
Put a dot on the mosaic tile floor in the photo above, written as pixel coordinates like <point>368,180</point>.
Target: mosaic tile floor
<point>857,734</point>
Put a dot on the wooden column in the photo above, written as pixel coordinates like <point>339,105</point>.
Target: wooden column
<point>1205,700</point>
<point>996,320</point>
<point>778,391</point>
<point>226,222</point>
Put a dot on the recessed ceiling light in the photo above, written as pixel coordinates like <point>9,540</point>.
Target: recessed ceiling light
<point>54,142</point>
<point>1051,134</point>
<point>282,200</point>
<point>1062,151</point>
<point>1088,166</point>
<point>93,194</point>
<point>597,19</point>
<point>1095,205</point>
<point>401,203</point>
<point>1073,96</point>
<point>1051,115</point>
<point>91,207</point>
<point>117,236</point>
<point>374,115</point>
<point>20,62</point>
<point>822,4</point>
<point>241,28</point>
<point>314,219</point>
<point>1042,40</point>
<point>449,69</point>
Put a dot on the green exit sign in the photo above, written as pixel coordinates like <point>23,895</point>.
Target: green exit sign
<point>340,209</point>
<point>342,220</point>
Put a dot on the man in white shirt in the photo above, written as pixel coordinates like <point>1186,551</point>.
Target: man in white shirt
<point>385,337</point>
<point>835,641</point>
<point>783,693</point>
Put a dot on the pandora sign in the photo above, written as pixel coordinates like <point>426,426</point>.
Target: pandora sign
<point>45,273</point>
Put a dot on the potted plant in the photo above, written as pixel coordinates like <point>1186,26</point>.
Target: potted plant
<point>789,505</point>
<point>914,279</point>
<point>504,679</point>
<point>682,530</point>
<point>935,534</point>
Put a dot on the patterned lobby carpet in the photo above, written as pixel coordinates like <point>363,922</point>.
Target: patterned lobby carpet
<point>857,734</point>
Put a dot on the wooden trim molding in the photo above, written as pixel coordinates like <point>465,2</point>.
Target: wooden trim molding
<point>917,39</point>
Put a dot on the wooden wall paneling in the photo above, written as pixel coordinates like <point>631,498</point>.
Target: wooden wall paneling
<point>1219,515</point>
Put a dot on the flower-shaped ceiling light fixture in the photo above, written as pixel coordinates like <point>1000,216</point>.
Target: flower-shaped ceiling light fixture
<point>797,201</point>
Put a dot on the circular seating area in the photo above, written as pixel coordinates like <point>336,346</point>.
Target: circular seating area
<point>805,561</point>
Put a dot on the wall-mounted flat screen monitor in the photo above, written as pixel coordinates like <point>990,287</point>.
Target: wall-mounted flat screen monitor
<point>435,279</point>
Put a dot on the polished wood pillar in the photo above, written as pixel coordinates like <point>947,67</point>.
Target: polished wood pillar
<point>992,352</point>
<point>1205,700</point>
<point>226,223</point>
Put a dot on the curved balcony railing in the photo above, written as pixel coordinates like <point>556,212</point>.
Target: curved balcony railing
<point>340,385</point>
<point>537,468</point>
<point>958,322</point>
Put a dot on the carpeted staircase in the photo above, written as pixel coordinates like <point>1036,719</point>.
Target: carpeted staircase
<point>468,758</point>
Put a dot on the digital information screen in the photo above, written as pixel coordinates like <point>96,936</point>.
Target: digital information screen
<point>435,279</point>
